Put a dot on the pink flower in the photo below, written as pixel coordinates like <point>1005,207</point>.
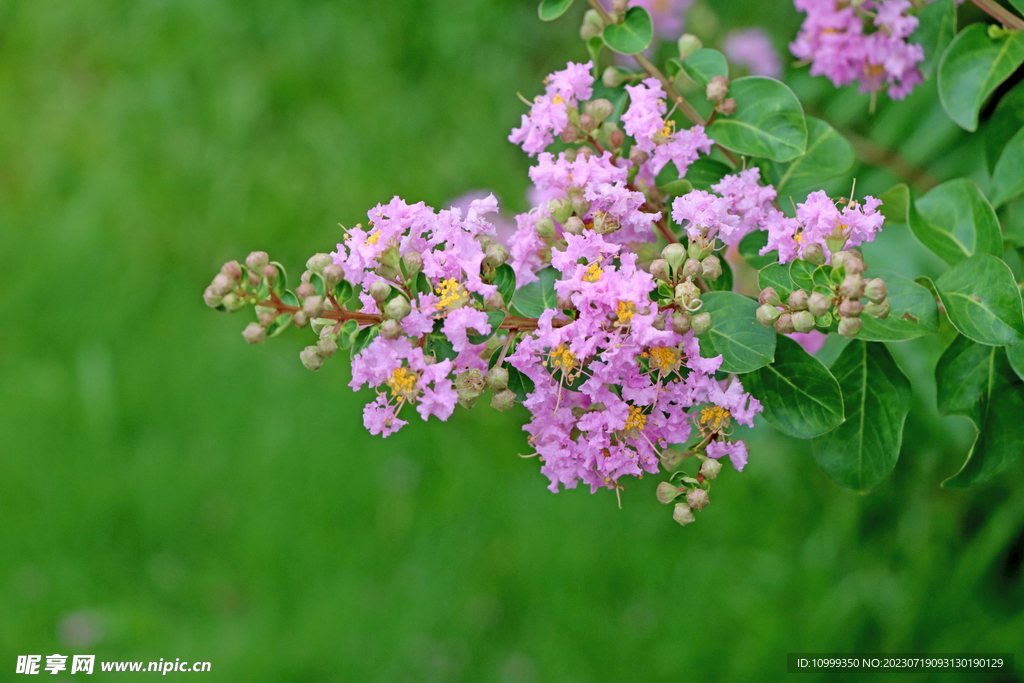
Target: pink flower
<point>752,48</point>
<point>549,113</point>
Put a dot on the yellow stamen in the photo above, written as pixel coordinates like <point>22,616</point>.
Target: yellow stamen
<point>593,273</point>
<point>402,383</point>
<point>669,129</point>
<point>715,416</point>
<point>636,419</point>
<point>372,239</point>
<point>563,358</point>
<point>873,70</point>
<point>626,311</point>
<point>799,237</point>
<point>663,358</point>
<point>558,100</point>
<point>452,294</point>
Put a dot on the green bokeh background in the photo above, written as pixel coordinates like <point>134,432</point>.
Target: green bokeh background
<point>166,491</point>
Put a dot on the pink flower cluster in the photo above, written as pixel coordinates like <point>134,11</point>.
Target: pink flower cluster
<point>752,48</point>
<point>835,40</point>
<point>549,113</point>
<point>744,206</point>
<point>817,220</point>
<point>666,15</point>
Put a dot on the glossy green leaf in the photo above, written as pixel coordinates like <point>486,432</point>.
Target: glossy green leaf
<point>800,396</point>
<point>343,291</point>
<point>347,334</point>
<point>505,280</point>
<point>706,172</point>
<point>983,301</point>
<point>1008,175</point>
<point>935,30</point>
<point>703,65</point>
<point>518,383</point>
<point>282,321</point>
<point>955,221</point>
<point>724,281</point>
<point>744,344</point>
<point>895,203</point>
<point>828,154</point>
<point>281,281</point>
<point>1000,441</point>
<point>1015,354</point>
<point>776,276</point>
<point>802,273</point>
<point>1006,120</point>
<point>862,451</point>
<point>972,67</point>
<point>549,10</point>
<point>967,375</point>
<point>594,47</point>
<point>633,35</point>
<point>531,300</point>
<point>1019,5</point>
<point>364,337</point>
<point>750,247</point>
<point>675,188</point>
<point>913,311</point>
<point>495,318</point>
<point>769,121</point>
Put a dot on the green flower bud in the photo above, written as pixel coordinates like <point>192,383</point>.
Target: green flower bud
<point>686,294</point>
<point>671,458</point>
<point>688,44</point>
<point>697,499</point>
<point>413,262</point>
<point>611,77</point>
<point>728,107</point>
<point>803,321</point>
<point>311,358</point>
<point>709,469</point>
<point>667,492</point>
<point>875,290</point>
<point>379,291</point>
<point>770,297</point>
<point>784,325</point>
<point>660,271</point>
<point>232,270</point>
<point>813,253</point>
<point>469,385</point>
<point>674,254</point>
<point>588,123</point>
<point>300,320</point>
<point>306,277</point>
<point>855,264</point>
<point>503,399</point>
<point>592,28</point>
<point>852,286</point>
<point>692,268</point>
<point>879,310</point>
<point>560,209</point>
<point>573,226</point>
<point>850,309</point>
<point>387,263</point>
<point>257,261</point>
<point>580,205</point>
<point>767,315</point>
<point>797,300</point>
<point>818,303</point>
<point>327,346</point>
<point>221,285</point>
<point>683,514</point>
<point>658,323</point>
<point>711,267</point>
<point>700,323</point>
<point>391,329</point>
<point>570,134</point>
<point>255,333</point>
<point>681,322</point>
<point>600,109</point>
<point>211,299</point>
<point>496,255</point>
<point>638,156</point>
<point>317,262</point>
<point>397,308</point>
<point>305,290</point>
<point>835,242</point>
<point>850,327</point>
<point>494,302</point>
<point>496,378</point>
<point>333,274</point>
<point>270,274</point>
<point>265,319</point>
<point>616,138</point>
<point>717,89</point>
<point>319,325</point>
<point>313,306</point>
<point>544,227</point>
<point>700,248</point>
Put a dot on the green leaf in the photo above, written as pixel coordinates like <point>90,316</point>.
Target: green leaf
<point>549,10</point>
<point>744,344</point>
<point>776,276</point>
<point>955,221</point>
<point>802,273</point>
<point>768,122</point>
<point>935,30</point>
<point>423,285</point>
<point>318,283</point>
<point>533,299</point>
<point>862,451</point>
<point>495,318</point>
<point>706,172</point>
<point>364,337</point>
<point>983,301</point>
<point>1008,176</point>
<point>703,65</point>
<point>724,281</point>
<point>1015,354</point>
<point>633,35</point>
<point>282,321</point>
<point>505,279</point>
<point>913,311</point>
<point>800,396</point>
<point>1006,120</point>
<point>828,155</point>
<point>347,333</point>
<point>281,282</point>
<point>972,67</point>
<point>895,203</point>
<point>751,244</point>
<point>675,188</point>
<point>967,375</point>
<point>1018,4</point>
<point>1000,441</point>
<point>518,383</point>
<point>594,47</point>
<point>343,291</point>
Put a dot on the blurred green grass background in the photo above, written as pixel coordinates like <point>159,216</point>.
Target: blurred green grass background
<point>166,491</point>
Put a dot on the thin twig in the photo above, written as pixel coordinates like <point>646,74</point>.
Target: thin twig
<point>1001,14</point>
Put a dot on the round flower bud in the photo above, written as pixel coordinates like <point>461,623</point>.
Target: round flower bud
<point>592,28</point>
<point>879,310</point>
<point>697,499</point>
<point>413,262</point>
<point>391,329</point>
<point>257,261</point>
<point>317,262</point>
<point>327,346</point>
<point>496,378</point>
<point>855,264</point>
<point>853,285</point>
<point>266,319</point>
<point>638,156</point>
<point>688,44</point>
<point>588,123</point>
<point>674,254</point>
<point>232,270</point>
<point>569,134</point>
<point>580,205</point>
<point>270,274</point>
<point>700,248</point>
<point>667,492</point>
<point>803,321</point>
<point>658,323</point>
<point>813,253</point>
<point>711,267</point>
<point>686,293</point>
<point>681,322</point>
<point>470,385</point>
<point>210,299</point>
<point>612,77</point>
<point>305,290</point>
<point>692,268</point>
<point>311,358</point>
<point>718,88</point>
<point>560,210</point>
<point>494,302</point>
<point>503,400</point>
<point>321,326</point>
<point>300,319</point>
<point>313,306</point>
<point>544,227</point>
<point>850,327</point>
<point>671,458</point>
<point>573,226</point>
<point>397,308</point>
<point>660,270</point>
<point>875,290</point>
<point>306,277</point>
<point>850,309</point>
<point>254,279</point>
<point>784,325</point>
<point>769,296</point>
<point>619,5</point>
<point>701,323</point>
<point>380,290</point>
<point>683,514</point>
<point>728,107</point>
<point>333,274</point>
<point>709,469</point>
<point>818,303</point>
<point>616,138</point>
<point>222,284</point>
<point>797,300</point>
<point>839,259</point>
<point>600,109</point>
<point>255,333</point>
<point>767,315</point>
<point>497,254</point>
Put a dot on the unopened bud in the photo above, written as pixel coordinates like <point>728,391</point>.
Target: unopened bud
<point>875,290</point>
<point>600,109</point>
<point>592,27</point>
<point>638,156</point>
<point>313,306</point>
<point>852,286</point>
<point>697,499</point>
<point>616,138</point>
<point>671,458</point>
<point>305,290</point>
<point>494,302</point>
<point>619,5</point>
<point>728,107</point>
<point>300,319</point>
<point>813,253</point>
<point>612,77</point>
<point>333,274</point>
<point>767,315</point>
<point>266,319</point>
<point>503,399</point>
<point>688,44</point>
<point>470,385</point>
<point>700,323</point>
<point>692,268</point>
<point>803,321</point>
<point>569,134</point>
<point>797,300</point>
<point>784,325</point>
<point>879,310</point>
<point>397,308</point>
<point>710,468</point>
<point>221,285</point>
<point>681,322</point>
<point>855,264</point>
<point>674,254</point>
<point>686,293</point>
<point>497,254</point>
<point>658,323</point>
<point>387,263</point>
<point>306,277</point>
<point>544,227</point>
<point>718,88</point>
<point>700,248</point>
<point>574,226</point>
<point>580,205</point>
<point>211,299</point>
<point>711,267</point>
<point>588,124</point>
<point>850,327</point>
<point>667,492</point>
<point>311,358</point>
<point>413,262</point>
<point>850,309</point>
<point>818,303</point>
<point>257,261</point>
<point>270,274</point>
<point>769,296</point>
<point>683,514</point>
<point>327,346</point>
<point>255,333</point>
<point>659,270</point>
<point>560,210</point>
<point>380,290</point>
<point>391,329</point>
<point>496,378</point>
<point>317,262</point>
<point>232,270</point>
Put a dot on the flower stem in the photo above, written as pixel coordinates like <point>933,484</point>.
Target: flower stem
<point>1001,14</point>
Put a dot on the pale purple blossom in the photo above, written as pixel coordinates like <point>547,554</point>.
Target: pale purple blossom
<point>549,113</point>
<point>752,49</point>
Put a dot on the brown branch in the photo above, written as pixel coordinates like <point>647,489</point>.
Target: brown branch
<point>1000,14</point>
